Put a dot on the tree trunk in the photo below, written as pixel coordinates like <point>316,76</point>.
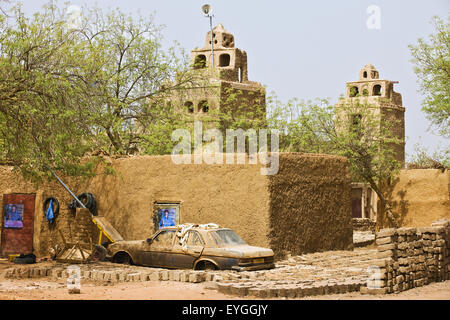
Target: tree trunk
<point>384,203</point>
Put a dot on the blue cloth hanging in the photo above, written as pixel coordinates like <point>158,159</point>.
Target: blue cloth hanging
<point>49,215</point>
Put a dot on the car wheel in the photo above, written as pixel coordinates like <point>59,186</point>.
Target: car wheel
<point>122,258</point>
<point>208,266</point>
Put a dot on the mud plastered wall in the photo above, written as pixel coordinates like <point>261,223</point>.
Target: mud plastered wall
<point>233,196</point>
<point>304,208</point>
<point>45,235</point>
<point>310,200</point>
<point>418,197</point>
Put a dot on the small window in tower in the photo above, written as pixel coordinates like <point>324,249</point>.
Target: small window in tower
<point>224,60</point>
<point>240,74</point>
<point>354,91</point>
<point>355,126</point>
<point>365,74</point>
<point>200,61</point>
<point>377,91</point>
<point>189,106</point>
<point>203,106</point>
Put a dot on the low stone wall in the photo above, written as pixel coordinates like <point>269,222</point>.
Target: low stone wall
<point>111,273</point>
<point>411,257</point>
<point>363,224</point>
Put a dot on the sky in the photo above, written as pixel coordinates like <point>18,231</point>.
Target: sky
<point>307,49</point>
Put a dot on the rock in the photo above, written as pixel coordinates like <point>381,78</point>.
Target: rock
<point>74,291</point>
<point>406,231</point>
<point>386,233</point>
<point>385,247</point>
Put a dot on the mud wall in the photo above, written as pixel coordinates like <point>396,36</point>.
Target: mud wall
<point>45,235</point>
<point>233,196</point>
<point>419,196</point>
<point>310,204</point>
<point>304,208</point>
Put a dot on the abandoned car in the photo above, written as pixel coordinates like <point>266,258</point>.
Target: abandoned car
<point>189,246</point>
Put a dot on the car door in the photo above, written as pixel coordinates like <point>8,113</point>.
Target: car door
<point>184,255</point>
<point>157,253</point>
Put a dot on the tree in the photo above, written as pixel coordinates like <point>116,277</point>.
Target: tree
<point>134,81</point>
<point>432,66</point>
<point>353,130</point>
<point>422,158</point>
<point>43,88</point>
<point>69,90</point>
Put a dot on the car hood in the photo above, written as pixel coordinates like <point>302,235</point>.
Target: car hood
<point>240,251</point>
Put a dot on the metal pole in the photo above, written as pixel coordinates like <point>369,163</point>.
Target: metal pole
<point>71,193</point>
<point>212,43</point>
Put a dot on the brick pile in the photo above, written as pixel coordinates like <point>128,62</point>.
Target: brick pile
<point>410,257</point>
<point>363,224</point>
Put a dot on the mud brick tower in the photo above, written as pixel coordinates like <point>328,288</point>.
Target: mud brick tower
<point>224,86</point>
<point>380,94</point>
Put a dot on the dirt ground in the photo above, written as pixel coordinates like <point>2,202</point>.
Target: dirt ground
<point>43,289</point>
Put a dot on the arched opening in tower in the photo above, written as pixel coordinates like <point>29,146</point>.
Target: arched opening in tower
<point>377,90</point>
<point>354,91</point>
<point>200,61</point>
<point>224,60</point>
<point>189,106</point>
<point>203,106</point>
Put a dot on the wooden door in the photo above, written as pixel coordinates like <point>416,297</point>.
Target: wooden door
<point>17,224</point>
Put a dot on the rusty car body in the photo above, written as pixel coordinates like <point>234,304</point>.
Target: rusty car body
<point>198,247</point>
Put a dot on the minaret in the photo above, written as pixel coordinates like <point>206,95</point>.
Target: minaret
<point>230,62</point>
<point>228,78</point>
<point>380,94</point>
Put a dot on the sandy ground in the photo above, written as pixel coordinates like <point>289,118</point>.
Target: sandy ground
<point>42,289</point>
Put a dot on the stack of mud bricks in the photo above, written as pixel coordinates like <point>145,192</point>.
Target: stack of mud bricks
<point>410,257</point>
<point>363,224</point>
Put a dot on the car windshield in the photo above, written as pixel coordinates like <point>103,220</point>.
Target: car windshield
<point>226,237</point>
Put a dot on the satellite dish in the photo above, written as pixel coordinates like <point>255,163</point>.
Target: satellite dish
<point>206,9</point>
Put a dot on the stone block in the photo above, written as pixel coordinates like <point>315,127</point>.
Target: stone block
<point>406,231</point>
<point>258,292</point>
<point>196,276</point>
<point>224,288</point>
<point>435,229</point>
<point>384,240</point>
<point>164,275</point>
<point>156,276</point>
<point>385,247</point>
<point>386,233</point>
<point>386,254</point>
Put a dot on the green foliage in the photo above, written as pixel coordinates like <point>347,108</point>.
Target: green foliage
<point>42,94</point>
<point>422,158</point>
<point>353,130</point>
<point>68,92</point>
<point>432,67</point>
